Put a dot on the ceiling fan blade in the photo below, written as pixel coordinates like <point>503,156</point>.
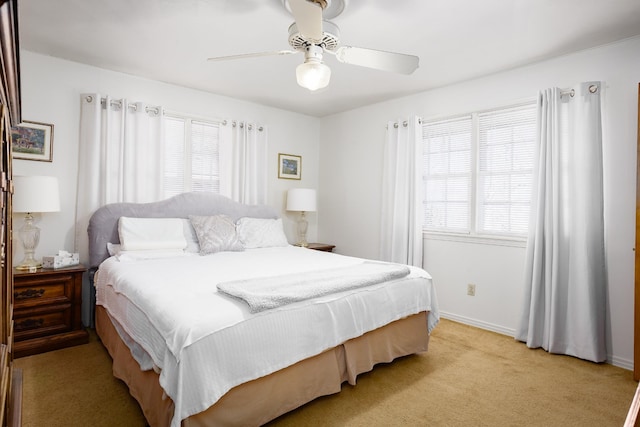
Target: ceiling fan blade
<point>252,55</point>
<point>308,16</point>
<point>378,59</point>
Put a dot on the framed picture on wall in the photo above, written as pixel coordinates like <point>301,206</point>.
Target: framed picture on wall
<point>289,166</point>
<point>32,141</point>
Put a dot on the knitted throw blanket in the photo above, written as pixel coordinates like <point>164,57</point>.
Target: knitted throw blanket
<point>271,292</point>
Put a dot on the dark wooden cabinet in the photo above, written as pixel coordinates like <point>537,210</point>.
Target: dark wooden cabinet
<point>10,114</point>
<point>634,410</point>
<point>47,310</point>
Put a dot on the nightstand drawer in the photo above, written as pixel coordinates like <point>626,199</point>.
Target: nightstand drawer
<point>49,291</point>
<point>42,321</point>
<point>46,310</point>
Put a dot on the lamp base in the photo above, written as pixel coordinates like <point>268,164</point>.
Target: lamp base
<point>28,265</point>
<point>302,230</point>
<point>29,236</point>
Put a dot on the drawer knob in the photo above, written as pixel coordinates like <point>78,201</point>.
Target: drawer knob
<point>28,293</point>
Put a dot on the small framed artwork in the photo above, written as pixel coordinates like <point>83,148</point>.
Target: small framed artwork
<point>32,141</point>
<point>289,166</point>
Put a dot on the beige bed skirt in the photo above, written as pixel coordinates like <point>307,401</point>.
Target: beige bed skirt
<point>261,400</point>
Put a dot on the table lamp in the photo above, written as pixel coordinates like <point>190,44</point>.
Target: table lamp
<point>302,200</point>
<point>33,194</point>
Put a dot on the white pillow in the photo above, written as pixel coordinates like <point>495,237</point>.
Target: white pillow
<point>116,250</point>
<point>113,248</point>
<point>216,234</point>
<point>261,233</point>
<point>139,234</point>
<point>191,236</point>
<point>124,256</point>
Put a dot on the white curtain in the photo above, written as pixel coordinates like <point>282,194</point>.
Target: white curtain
<point>564,308</point>
<point>402,195</point>
<point>249,163</point>
<point>120,157</point>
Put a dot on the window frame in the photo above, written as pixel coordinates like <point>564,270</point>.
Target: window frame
<point>187,166</point>
<point>473,236</point>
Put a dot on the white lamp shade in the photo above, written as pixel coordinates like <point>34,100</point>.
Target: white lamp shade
<point>301,199</point>
<point>36,194</point>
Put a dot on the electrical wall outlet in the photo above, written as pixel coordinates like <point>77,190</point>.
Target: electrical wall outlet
<point>471,289</point>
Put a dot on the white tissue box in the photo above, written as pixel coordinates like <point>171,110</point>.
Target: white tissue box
<point>63,259</point>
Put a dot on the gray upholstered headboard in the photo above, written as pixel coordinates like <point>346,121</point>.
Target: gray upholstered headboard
<point>103,225</point>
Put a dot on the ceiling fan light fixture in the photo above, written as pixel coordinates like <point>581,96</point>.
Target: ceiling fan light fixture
<point>330,8</point>
<point>313,74</point>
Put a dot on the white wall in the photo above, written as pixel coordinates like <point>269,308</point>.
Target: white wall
<point>51,91</point>
<point>350,177</point>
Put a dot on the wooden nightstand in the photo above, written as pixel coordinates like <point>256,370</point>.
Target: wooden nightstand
<point>46,310</point>
<point>321,247</point>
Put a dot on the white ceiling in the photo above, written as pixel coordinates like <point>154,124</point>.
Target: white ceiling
<point>456,40</point>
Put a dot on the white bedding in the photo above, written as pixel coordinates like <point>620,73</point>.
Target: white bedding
<point>206,343</point>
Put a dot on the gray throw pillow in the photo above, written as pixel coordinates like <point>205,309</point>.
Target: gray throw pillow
<point>216,234</point>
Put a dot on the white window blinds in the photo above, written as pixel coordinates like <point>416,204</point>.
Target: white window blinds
<point>447,174</point>
<point>174,155</point>
<point>478,172</point>
<point>205,156</point>
<point>192,150</point>
<point>506,146</point>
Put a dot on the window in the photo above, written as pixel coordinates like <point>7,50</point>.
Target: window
<point>191,157</point>
<point>478,171</point>
<point>447,174</point>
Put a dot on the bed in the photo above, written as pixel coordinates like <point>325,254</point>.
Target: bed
<point>220,334</point>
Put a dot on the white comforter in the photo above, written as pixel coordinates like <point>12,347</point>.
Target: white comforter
<point>206,343</point>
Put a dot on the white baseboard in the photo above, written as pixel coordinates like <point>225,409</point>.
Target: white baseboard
<point>615,361</point>
<point>479,324</point>
<point>620,362</point>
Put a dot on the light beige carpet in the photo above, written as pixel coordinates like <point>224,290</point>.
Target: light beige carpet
<point>469,377</point>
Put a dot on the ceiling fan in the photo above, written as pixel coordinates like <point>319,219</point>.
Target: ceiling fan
<point>313,36</point>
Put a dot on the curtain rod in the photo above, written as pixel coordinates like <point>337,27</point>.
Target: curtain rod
<point>157,110</point>
<point>405,123</point>
<point>118,103</point>
<point>593,88</point>
<point>241,124</point>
